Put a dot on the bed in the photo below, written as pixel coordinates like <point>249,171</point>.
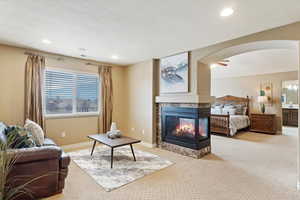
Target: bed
<point>229,114</point>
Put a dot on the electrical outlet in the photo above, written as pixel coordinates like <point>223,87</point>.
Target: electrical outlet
<point>132,129</point>
<point>143,132</point>
<point>63,134</point>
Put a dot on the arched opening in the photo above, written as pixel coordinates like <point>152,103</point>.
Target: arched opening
<point>243,84</point>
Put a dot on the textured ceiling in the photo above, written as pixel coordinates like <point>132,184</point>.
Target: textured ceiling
<point>135,30</point>
<point>259,62</point>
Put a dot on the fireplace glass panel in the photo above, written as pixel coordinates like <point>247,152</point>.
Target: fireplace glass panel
<point>181,127</point>
<point>203,128</point>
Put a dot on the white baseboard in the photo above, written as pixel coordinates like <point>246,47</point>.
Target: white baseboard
<point>149,145</point>
<point>77,145</point>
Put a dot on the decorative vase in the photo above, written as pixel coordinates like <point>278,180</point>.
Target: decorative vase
<point>114,132</point>
<point>113,126</point>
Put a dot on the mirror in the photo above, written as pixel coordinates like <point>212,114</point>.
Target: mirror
<point>289,97</point>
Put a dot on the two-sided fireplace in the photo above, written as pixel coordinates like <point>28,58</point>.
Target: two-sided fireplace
<point>187,127</point>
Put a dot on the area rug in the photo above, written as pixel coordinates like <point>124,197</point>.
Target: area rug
<point>124,171</point>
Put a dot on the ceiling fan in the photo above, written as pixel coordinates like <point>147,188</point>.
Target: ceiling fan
<point>221,63</point>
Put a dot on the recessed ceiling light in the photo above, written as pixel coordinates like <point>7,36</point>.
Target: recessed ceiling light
<point>115,57</point>
<point>226,12</point>
<point>46,41</point>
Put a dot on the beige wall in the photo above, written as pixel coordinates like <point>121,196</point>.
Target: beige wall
<point>12,62</point>
<point>140,101</point>
<point>250,85</point>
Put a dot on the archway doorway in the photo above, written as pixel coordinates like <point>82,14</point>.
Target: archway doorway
<point>246,48</point>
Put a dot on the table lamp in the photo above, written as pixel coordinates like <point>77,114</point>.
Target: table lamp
<point>262,100</point>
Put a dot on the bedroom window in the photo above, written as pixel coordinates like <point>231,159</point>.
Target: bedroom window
<point>70,93</point>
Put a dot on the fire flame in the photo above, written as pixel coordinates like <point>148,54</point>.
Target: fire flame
<point>185,128</point>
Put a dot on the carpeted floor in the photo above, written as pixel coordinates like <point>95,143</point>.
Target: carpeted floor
<point>251,166</point>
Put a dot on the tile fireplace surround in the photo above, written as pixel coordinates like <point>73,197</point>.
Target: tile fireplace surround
<point>173,147</point>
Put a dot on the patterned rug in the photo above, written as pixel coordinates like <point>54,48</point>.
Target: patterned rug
<point>124,171</point>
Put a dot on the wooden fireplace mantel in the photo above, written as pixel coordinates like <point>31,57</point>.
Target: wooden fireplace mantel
<point>183,98</point>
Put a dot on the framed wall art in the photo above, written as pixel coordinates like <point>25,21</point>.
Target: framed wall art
<point>174,73</point>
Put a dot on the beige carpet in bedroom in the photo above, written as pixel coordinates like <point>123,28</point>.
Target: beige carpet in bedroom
<point>250,166</point>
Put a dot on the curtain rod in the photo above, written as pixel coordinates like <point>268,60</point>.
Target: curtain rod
<point>58,58</point>
<point>41,54</point>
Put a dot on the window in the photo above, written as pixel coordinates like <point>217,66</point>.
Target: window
<point>71,93</point>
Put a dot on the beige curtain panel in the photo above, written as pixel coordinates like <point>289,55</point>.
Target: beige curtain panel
<point>105,117</point>
<point>34,81</point>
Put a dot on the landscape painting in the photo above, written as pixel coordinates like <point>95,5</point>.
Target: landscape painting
<point>174,72</point>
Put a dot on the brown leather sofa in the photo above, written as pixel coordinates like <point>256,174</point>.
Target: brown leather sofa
<point>44,167</point>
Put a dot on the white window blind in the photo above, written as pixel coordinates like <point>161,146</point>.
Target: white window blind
<point>68,93</point>
<point>87,92</point>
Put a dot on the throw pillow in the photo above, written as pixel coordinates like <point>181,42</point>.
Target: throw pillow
<point>19,137</point>
<point>2,133</point>
<point>36,131</point>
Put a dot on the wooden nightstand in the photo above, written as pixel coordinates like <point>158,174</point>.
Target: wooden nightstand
<point>264,123</point>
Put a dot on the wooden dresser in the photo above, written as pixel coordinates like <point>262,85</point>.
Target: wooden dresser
<point>289,117</point>
<point>264,123</point>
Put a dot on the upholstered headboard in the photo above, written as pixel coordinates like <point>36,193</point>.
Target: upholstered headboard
<point>228,99</point>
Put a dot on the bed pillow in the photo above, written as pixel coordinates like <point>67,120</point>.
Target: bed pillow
<point>217,105</point>
<point>229,106</point>
<point>230,111</point>
<point>241,109</point>
<point>36,131</point>
<point>216,111</point>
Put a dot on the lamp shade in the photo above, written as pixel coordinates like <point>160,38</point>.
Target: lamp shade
<point>262,99</point>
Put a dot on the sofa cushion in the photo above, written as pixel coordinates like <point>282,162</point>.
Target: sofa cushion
<point>49,142</point>
<point>36,131</point>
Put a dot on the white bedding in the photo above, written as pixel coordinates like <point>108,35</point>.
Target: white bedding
<point>238,122</point>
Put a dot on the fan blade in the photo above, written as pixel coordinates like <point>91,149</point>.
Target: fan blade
<point>223,64</point>
<point>224,61</point>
